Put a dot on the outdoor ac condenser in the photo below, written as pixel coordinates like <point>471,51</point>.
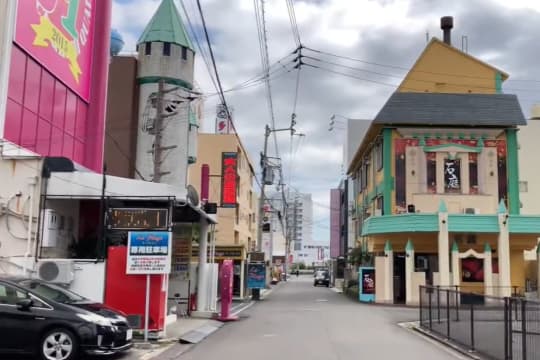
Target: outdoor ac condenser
<point>60,271</point>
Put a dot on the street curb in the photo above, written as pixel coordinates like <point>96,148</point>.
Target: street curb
<point>177,348</point>
<point>413,326</point>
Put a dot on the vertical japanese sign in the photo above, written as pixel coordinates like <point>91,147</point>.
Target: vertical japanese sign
<point>149,252</point>
<point>59,34</point>
<point>452,170</point>
<point>223,123</point>
<point>229,179</point>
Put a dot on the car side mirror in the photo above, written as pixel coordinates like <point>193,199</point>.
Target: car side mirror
<point>25,304</point>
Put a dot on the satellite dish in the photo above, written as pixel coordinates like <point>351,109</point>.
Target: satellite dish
<point>192,196</point>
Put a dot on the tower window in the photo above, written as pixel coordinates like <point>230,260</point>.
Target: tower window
<point>167,49</point>
<point>184,53</point>
<point>148,48</point>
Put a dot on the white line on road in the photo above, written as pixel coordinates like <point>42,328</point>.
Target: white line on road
<point>236,312</point>
<point>409,327</point>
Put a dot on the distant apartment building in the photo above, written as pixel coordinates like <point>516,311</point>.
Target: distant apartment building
<point>300,219</point>
<point>231,187</point>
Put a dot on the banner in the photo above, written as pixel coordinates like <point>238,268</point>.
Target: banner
<point>59,34</point>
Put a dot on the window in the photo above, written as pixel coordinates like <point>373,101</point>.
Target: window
<point>452,176</point>
<point>167,49</point>
<point>184,53</point>
<point>379,156</point>
<point>523,186</point>
<point>431,172</point>
<point>473,173</point>
<point>148,48</point>
<point>10,295</point>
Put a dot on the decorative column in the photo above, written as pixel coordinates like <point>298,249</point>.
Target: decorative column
<point>202,276</point>
<point>389,272</point>
<point>503,247</point>
<point>488,271</point>
<point>456,269</point>
<point>443,242</point>
<point>409,270</point>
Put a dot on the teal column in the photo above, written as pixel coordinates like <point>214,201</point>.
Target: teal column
<point>388,181</point>
<point>498,83</point>
<point>512,171</point>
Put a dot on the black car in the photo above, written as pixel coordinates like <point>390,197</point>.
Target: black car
<point>47,320</point>
<point>321,277</point>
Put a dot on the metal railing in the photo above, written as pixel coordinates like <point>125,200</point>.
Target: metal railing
<point>495,327</point>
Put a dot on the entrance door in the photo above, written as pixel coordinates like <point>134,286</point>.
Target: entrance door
<point>399,278</point>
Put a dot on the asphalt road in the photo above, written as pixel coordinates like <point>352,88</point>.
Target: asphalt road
<point>298,321</point>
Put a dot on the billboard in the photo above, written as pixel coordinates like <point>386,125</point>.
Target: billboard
<point>59,34</point>
<point>229,179</point>
<point>256,276</point>
<point>149,252</point>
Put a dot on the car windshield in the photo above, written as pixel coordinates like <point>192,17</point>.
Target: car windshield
<point>321,273</point>
<point>52,292</point>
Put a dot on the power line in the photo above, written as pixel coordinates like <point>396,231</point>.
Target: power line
<point>294,24</point>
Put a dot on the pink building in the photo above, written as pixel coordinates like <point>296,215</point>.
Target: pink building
<point>58,80</point>
<point>335,223</point>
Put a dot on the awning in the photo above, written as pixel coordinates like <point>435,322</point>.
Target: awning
<point>89,185</point>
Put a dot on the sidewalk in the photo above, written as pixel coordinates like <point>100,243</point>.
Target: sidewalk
<point>184,332</point>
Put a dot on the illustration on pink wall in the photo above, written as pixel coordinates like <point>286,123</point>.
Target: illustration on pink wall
<point>59,35</point>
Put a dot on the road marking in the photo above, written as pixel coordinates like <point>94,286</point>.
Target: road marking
<point>408,326</point>
<point>269,335</point>
<point>236,312</point>
<point>321,300</point>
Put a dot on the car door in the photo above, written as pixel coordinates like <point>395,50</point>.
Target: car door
<point>19,327</point>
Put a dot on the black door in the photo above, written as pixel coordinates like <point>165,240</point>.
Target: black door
<point>17,326</point>
<point>399,279</point>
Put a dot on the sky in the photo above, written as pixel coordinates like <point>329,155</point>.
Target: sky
<point>386,36</point>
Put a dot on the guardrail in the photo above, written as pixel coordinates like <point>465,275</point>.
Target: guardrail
<point>499,328</point>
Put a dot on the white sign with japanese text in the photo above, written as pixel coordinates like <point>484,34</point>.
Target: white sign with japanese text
<point>149,252</point>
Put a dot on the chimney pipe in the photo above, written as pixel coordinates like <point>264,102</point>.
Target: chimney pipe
<point>447,23</point>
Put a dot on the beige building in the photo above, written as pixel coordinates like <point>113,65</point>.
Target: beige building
<point>231,187</point>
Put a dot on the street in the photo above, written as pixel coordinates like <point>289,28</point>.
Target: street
<point>299,321</point>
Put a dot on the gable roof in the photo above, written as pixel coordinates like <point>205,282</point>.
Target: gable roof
<point>436,41</point>
<point>451,110</point>
<point>166,26</point>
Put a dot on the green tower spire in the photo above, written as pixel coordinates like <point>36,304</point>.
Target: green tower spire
<point>166,26</point>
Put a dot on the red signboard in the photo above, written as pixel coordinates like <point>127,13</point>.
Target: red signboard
<point>229,179</point>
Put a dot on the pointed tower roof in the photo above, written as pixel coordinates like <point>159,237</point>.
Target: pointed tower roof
<point>166,26</point>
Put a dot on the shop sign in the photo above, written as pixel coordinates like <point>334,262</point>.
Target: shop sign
<point>221,253</point>
<point>137,218</point>
<point>149,252</point>
<point>256,276</point>
<point>229,179</point>
<point>60,35</point>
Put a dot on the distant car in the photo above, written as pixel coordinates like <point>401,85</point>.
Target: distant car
<point>47,320</point>
<point>322,277</point>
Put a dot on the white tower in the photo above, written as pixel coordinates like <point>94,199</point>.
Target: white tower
<point>166,57</point>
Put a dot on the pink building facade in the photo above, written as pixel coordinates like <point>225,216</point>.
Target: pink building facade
<point>335,224</point>
<point>58,80</point>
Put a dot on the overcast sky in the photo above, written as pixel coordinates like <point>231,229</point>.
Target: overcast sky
<point>387,35</point>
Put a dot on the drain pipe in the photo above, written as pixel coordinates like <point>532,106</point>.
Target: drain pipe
<point>32,183</point>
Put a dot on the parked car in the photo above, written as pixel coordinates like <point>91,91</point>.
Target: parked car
<point>322,277</point>
<point>47,320</point>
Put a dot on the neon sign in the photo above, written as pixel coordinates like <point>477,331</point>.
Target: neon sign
<point>229,179</point>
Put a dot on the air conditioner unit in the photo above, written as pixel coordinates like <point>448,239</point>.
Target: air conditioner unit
<point>51,221</point>
<point>60,271</point>
<point>471,211</point>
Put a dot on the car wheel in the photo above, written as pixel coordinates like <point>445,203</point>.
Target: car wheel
<point>58,344</point>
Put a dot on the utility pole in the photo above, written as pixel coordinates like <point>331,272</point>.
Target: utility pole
<point>267,132</point>
<point>157,139</point>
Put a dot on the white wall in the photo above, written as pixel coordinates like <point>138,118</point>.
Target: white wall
<point>529,172</point>
<point>89,280</point>
<point>17,194</point>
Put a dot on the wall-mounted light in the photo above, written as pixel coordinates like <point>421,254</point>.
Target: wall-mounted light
<point>444,221</point>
